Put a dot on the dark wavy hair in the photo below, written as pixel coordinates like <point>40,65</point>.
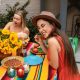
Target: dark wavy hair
<point>69,53</point>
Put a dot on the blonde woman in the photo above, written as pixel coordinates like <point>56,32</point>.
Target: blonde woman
<point>18,24</point>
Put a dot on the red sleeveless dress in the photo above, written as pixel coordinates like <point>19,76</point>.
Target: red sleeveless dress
<point>63,71</point>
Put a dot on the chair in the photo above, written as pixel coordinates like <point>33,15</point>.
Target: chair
<point>77,27</point>
<point>74,42</point>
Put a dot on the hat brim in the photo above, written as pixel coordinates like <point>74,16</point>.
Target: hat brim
<point>34,20</point>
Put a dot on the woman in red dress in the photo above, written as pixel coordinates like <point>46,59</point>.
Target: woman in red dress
<point>60,53</point>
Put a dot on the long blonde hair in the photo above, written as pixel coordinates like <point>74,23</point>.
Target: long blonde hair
<point>22,13</point>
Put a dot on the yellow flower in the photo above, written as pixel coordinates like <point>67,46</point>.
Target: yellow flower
<point>4,50</point>
<point>5,32</point>
<point>10,50</point>
<point>1,44</point>
<point>9,42</point>
<point>6,42</point>
<point>13,38</point>
<point>19,43</point>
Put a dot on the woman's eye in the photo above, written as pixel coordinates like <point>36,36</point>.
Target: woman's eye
<point>42,25</point>
<point>16,18</point>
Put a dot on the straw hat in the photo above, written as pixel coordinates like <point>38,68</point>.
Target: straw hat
<point>46,15</point>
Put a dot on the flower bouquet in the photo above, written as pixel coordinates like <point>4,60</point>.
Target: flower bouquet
<point>9,43</point>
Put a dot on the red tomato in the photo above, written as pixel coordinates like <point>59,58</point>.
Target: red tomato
<point>35,50</point>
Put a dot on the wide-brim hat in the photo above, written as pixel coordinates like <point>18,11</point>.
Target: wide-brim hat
<point>48,16</point>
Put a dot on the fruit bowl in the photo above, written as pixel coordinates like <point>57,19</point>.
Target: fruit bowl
<point>36,49</point>
<point>2,55</point>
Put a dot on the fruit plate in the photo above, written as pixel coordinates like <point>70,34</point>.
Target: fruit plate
<point>37,51</point>
<point>33,60</point>
<point>12,61</point>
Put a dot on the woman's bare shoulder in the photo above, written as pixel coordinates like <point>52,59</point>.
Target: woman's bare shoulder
<point>7,26</point>
<point>26,30</point>
<point>9,23</point>
<point>54,41</point>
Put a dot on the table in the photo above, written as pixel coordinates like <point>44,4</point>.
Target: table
<point>38,72</point>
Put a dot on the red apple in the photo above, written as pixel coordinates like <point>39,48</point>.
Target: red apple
<point>35,50</point>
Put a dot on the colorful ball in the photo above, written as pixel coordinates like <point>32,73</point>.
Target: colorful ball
<point>11,72</point>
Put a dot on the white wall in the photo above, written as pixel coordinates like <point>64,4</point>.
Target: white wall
<point>33,8</point>
<point>53,5</point>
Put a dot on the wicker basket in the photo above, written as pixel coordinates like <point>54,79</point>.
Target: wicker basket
<point>2,56</point>
<point>18,53</point>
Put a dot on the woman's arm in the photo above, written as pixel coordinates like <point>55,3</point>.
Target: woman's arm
<point>26,30</point>
<point>7,26</point>
<point>54,48</point>
<point>44,48</point>
<point>39,40</point>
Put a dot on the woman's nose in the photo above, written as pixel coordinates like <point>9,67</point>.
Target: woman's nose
<point>41,30</point>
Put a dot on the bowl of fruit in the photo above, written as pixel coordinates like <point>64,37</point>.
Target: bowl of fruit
<point>36,49</point>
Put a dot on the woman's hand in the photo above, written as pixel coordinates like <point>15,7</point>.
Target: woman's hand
<point>38,39</point>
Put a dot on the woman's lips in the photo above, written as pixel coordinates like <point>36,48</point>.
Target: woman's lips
<point>15,22</point>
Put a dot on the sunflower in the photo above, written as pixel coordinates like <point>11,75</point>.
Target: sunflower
<point>6,42</point>
<point>9,42</point>
<point>4,50</point>
<point>5,32</point>
<point>19,43</point>
<point>13,38</point>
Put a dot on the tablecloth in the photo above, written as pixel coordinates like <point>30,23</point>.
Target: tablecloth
<point>38,72</point>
